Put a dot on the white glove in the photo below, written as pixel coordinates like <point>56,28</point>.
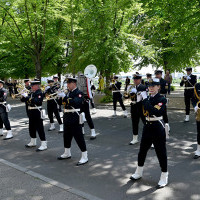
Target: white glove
<point>139,97</point>
<point>133,90</point>
<point>61,94</point>
<point>46,88</point>
<point>196,108</point>
<point>188,77</point>
<point>24,94</point>
<point>144,94</point>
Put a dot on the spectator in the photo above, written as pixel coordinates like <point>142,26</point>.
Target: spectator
<point>101,83</point>
<point>168,79</point>
<point>127,82</point>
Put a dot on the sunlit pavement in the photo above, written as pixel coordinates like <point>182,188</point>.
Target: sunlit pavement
<point>111,159</point>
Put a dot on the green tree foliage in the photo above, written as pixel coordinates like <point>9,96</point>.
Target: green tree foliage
<point>30,37</point>
<point>171,27</point>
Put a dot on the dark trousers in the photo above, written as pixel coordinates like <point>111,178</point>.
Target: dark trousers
<point>10,91</point>
<point>136,115</point>
<point>153,134</point>
<point>198,132</point>
<point>92,102</point>
<point>26,105</point>
<point>169,88</point>
<point>75,131</point>
<point>4,120</point>
<point>117,97</point>
<point>86,110</point>
<point>165,116</point>
<point>36,124</point>
<point>52,108</point>
<point>187,98</point>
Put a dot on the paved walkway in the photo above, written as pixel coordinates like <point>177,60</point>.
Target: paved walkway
<point>18,183</point>
<point>111,162</point>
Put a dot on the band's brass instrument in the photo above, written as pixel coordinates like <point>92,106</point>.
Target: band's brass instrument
<point>198,105</point>
<point>128,94</point>
<point>20,89</point>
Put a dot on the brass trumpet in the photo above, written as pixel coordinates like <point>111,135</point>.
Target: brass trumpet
<point>21,91</point>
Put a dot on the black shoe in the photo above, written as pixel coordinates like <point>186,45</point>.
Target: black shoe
<point>60,131</point>
<point>133,179</point>
<point>1,135</point>
<point>93,137</point>
<point>7,138</point>
<point>61,158</point>
<point>27,146</point>
<point>196,157</point>
<point>78,164</point>
<point>159,187</point>
<point>38,150</point>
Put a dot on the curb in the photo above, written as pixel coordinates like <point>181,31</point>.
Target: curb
<point>50,181</point>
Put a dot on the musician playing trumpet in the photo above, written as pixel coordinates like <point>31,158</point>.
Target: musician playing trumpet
<point>136,106</point>
<point>52,105</point>
<point>189,81</point>
<point>34,100</point>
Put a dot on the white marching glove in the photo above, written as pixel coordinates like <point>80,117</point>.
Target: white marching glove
<point>61,94</point>
<point>188,77</point>
<point>133,90</point>
<point>24,94</point>
<point>144,94</point>
<point>46,88</point>
<point>196,108</point>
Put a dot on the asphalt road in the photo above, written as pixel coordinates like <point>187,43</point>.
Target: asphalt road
<point>111,159</point>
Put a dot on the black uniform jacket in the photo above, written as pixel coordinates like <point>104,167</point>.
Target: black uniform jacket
<point>3,97</point>
<point>34,98</point>
<point>73,100</point>
<point>155,106</point>
<point>163,86</point>
<point>189,83</point>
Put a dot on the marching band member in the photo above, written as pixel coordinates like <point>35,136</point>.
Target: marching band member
<point>153,132</point>
<point>3,113</point>
<point>34,100</point>
<point>72,102</point>
<point>196,105</point>
<point>189,81</point>
<point>52,105</point>
<point>136,106</point>
<point>149,76</point>
<point>84,85</point>
<point>163,91</point>
<point>58,86</point>
<point>28,87</point>
<point>117,96</point>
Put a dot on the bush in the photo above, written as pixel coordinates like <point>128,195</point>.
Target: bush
<point>172,88</point>
<point>106,99</point>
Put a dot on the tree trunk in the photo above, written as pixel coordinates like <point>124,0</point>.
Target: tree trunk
<point>38,67</point>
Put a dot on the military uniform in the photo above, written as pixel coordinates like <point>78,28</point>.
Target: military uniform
<point>117,96</point>
<point>153,133</point>
<point>34,101</point>
<point>86,89</point>
<point>73,102</point>
<point>196,105</point>
<point>28,87</point>
<point>189,82</point>
<point>53,105</point>
<point>3,114</point>
<point>136,108</point>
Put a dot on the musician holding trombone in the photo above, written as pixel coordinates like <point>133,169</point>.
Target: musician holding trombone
<point>52,105</point>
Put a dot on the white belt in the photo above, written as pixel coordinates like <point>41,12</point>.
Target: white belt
<point>151,119</point>
<point>188,88</point>
<point>51,99</point>
<point>116,91</point>
<point>71,110</point>
<point>3,102</point>
<point>34,108</point>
